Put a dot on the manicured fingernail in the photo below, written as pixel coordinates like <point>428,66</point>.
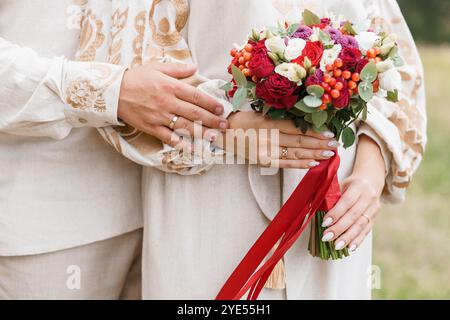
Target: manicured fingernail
<point>328,134</point>
<point>340,245</point>
<point>313,164</point>
<point>328,154</point>
<point>334,144</point>
<point>328,236</point>
<point>353,248</point>
<point>327,222</point>
<point>223,125</point>
<point>219,110</point>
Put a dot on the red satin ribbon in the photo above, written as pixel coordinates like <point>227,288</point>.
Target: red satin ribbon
<point>318,190</point>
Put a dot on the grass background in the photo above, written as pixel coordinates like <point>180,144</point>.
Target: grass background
<point>412,241</point>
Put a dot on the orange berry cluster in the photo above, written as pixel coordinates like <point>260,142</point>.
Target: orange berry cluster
<point>373,55</point>
<point>243,58</point>
<point>333,87</point>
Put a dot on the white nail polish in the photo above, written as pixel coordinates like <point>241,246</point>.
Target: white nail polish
<point>327,222</point>
<point>334,144</point>
<point>313,164</point>
<point>328,134</point>
<point>328,154</point>
<point>340,245</point>
<point>328,236</point>
<point>353,248</point>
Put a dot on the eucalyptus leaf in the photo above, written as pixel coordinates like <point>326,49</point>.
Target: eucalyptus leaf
<point>315,90</point>
<point>310,18</point>
<point>303,107</point>
<point>312,101</point>
<point>239,98</point>
<point>238,76</point>
<point>227,87</point>
<point>319,118</point>
<point>370,72</point>
<point>348,137</point>
<point>365,91</point>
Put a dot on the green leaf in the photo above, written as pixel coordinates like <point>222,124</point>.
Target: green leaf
<point>315,91</point>
<point>301,124</point>
<point>227,87</point>
<point>255,35</point>
<point>324,37</point>
<point>310,18</point>
<point>349,28</point>
<point>276,114</point>
<point>319,118</point>
<point>239,98</point>
<point>366,91</point>
<point>238,76</point>
<point>293,28</point>
<point>392,96</point>
<point>274,57</point>
<point>348,137</point>
<point>266,110</point>
<point>303,107</point>
<point>364,114</point>
<point>370,72</point>
<point>312,101</point>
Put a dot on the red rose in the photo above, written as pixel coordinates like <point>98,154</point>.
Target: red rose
<point>360,65</point>
<point>344,99</point>
<point>350,57</point>
<point>277,92</point>
<point>260,65</point>
<point>313,51</point>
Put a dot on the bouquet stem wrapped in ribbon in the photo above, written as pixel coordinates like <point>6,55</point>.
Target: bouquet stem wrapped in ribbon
<point>320,73</point>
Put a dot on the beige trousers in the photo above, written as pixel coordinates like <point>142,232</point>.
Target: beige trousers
<point>109,269</point>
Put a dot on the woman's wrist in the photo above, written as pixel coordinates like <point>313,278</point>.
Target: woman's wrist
<point>369,163</point>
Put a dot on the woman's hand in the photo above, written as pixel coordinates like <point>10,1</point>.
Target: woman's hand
<point>290,149</point>
<point>153,100</point>
<point>352,219</point>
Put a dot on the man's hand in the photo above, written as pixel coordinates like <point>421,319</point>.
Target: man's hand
<point>151,96</point>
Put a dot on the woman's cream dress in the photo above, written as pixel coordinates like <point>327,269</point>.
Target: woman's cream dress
<point>198,227</point>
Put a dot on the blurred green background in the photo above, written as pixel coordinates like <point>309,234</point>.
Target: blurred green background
<point>412,241</point>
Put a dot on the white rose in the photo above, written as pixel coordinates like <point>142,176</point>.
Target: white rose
<point>276,45</point>
<point>391,80</point>
<point>294,49</point>
<point>329,55</point>
<point>367,40</point>
<point>292,71</point>
<point>385,65</point>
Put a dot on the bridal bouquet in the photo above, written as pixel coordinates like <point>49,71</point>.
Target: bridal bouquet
<point>321,73</point>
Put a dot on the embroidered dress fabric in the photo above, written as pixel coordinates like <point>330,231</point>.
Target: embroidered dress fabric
<point>146,30</point>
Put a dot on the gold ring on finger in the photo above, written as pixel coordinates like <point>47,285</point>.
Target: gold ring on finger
<point>284,153</point>
<point>173,122</point>
<point>367,217</point>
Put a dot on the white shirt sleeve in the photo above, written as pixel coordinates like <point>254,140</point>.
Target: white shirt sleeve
<point>44,97</point>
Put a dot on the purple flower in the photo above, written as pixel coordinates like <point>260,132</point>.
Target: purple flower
<point>315,79</point>
<point>347,42</point>
<point>303,33</point>
<point>334,33</point>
